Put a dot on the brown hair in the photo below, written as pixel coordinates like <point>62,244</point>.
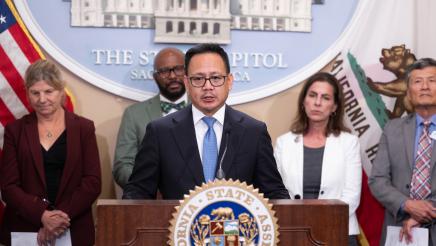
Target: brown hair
<point>44,70</point>
<point>336,120</point>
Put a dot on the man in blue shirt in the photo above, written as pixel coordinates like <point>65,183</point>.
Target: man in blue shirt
<point>403,177</point>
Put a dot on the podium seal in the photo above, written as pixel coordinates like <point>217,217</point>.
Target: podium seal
<point>224,213</point>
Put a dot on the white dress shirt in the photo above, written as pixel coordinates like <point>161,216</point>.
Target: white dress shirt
<point>183,98</point>
<point>201,127</point>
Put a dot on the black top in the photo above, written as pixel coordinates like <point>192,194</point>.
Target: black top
<point>54,161</point>
<point>312,169</point>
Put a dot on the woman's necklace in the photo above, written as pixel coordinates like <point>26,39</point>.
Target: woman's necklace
<point>51,133</point>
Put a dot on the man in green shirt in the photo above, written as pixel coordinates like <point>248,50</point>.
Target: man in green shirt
<point>168,74</point>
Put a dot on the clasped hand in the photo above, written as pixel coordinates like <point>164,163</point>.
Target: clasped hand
<point>54,224</point>
<point>421,212</point>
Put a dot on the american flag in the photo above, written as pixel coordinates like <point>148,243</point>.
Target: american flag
<point>17,51</point>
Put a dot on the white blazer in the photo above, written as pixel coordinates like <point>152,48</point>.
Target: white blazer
<point>341,176</point>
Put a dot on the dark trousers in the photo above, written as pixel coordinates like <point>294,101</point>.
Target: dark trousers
<point>352,240</point>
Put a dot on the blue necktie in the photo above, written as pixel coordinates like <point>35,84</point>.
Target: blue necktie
<point>210,150</point>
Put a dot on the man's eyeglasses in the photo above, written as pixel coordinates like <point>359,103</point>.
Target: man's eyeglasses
<point>215,80</point>
<point>165,72</point>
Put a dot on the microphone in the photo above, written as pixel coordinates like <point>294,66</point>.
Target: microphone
<point>220,173</point>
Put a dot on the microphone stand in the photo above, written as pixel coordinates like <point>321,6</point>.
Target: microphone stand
<point>220,173</point>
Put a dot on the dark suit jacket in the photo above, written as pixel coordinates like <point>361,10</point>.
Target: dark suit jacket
<point>169,160</point>
<point>23,182</point>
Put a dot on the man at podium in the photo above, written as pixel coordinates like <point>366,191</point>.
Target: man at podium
<point>206,140</point>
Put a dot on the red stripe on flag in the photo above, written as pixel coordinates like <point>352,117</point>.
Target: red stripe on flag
<point>69,104</point>
<point>23,41</point>
<point>370,214</point>
<point>2,207</point>
<point>14,78</point>
<point>5,114</point>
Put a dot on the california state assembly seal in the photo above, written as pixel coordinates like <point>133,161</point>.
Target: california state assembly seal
<point>224,213</point>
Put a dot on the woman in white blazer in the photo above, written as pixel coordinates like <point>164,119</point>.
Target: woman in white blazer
<point>319,158</point>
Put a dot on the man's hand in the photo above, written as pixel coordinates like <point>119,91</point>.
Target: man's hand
<point>421,210</point>
<point>406,231</point>
<point>55,223</point>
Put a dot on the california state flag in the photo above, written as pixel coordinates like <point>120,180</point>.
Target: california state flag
<point>387,36</point>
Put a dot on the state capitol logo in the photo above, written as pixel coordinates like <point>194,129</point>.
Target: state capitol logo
<point>224,213</point>
<point>115,41</point>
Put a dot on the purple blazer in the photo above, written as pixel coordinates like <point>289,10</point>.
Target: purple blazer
<point>23,184</point>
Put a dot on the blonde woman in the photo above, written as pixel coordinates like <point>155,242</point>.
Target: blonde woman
<point>50,172</point>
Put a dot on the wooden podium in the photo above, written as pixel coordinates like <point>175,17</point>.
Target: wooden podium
<point>146,222</point>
